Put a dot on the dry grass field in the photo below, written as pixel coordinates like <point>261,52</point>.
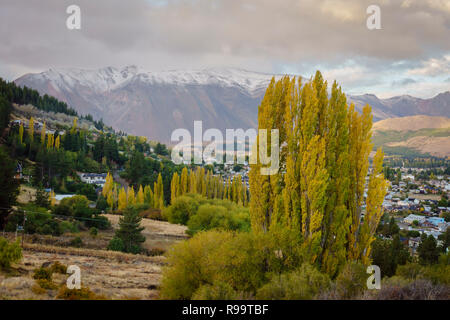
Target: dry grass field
<point>114,275</point>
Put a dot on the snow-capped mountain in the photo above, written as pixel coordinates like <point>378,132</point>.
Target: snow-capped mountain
<point>153,104</point>
<point>110,78</point>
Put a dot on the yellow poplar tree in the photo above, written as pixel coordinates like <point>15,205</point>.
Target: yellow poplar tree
<point>74,125</point>
<point>21,134</point>
<point>148,196</point>
<point>318,190</point>
<point>192,182</point>
<point>57,142</point>
<point>131,198</point>
<point>109,184</point>
<point>140,199</point>
<point>122,201</point>
<point>110,200</point>
<point>174,187</point>
<point>160,188</point>
<point>31,129</point>
<point>184,181</point>
<point>50,141</point>
<point>43,133</point>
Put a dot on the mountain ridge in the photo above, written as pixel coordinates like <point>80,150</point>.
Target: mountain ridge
<point>153,104</point>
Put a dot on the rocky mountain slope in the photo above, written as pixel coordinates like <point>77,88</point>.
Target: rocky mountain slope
<point>153,104</point>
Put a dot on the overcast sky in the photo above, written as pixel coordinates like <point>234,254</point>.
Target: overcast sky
<point>409,55</point>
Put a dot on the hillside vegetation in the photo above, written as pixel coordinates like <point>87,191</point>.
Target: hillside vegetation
<point>413,136</point>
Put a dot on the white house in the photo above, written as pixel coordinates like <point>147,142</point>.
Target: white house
<point>94,178</point>
<point>413,217</point>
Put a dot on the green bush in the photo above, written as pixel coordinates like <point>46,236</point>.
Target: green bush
<point>67,226</point>
<point>93,231</point>
<point>351,281</point>
<point>116,244</point>
<point>46,284</point>
<point>58,267</point>
<point>102,203</point>
<point>38,221</point>
<point>245,261</point>
<point>217,291</point>
<point>9,253</point>
<point>302,284</point>
<point>43,274</point>
<point>99,222</point>
<point>201,214</point>
<point>210,216</point>
<point>76,242</point>
<point>181,210</point>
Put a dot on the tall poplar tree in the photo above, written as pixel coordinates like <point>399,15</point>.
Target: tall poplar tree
<point>318,190</point>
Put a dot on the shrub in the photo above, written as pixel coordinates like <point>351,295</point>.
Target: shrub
<point>155,252</point>
<point>181,210</point>
<point>66,226</point>
<point>37,289</point>
<point>116,244</point>
<point>304,283</point>
<point>76,242</point>
<point>38,221</point>
<point>410,271</point>
<point>416,290</point>
<point>46,284</point>
<point>186,271</point>
<point>217,291</point>
<point>242,260</point>
<point>42,274</point>
<point>99,222</point>
<point>210,216</point>
<point>93,231</point>
<point>9,253</point>
<point>351,281</point>
<point>102,203</point>
<point>78,294</point>
<point>58,267</point>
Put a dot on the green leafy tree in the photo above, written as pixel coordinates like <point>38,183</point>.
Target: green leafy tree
<point>129,233</point>
<point>428,250</point>
<point>9,253</point>
<point>9,186</point>
<point>42,198</point>
<point>5,112</point>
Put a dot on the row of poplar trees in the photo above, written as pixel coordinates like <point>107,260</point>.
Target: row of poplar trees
<point>120,199</point>
<point>318,190</point>
<point>208,185</point>
<point>51,141</point>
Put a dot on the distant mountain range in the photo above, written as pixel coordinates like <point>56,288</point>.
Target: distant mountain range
<point>413,135</point>
<point>153,104</point>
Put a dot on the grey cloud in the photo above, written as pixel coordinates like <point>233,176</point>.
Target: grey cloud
<point>403,82</point>
<point>255,34</point>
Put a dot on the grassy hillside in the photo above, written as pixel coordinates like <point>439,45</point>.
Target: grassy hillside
<point>408,137</point>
